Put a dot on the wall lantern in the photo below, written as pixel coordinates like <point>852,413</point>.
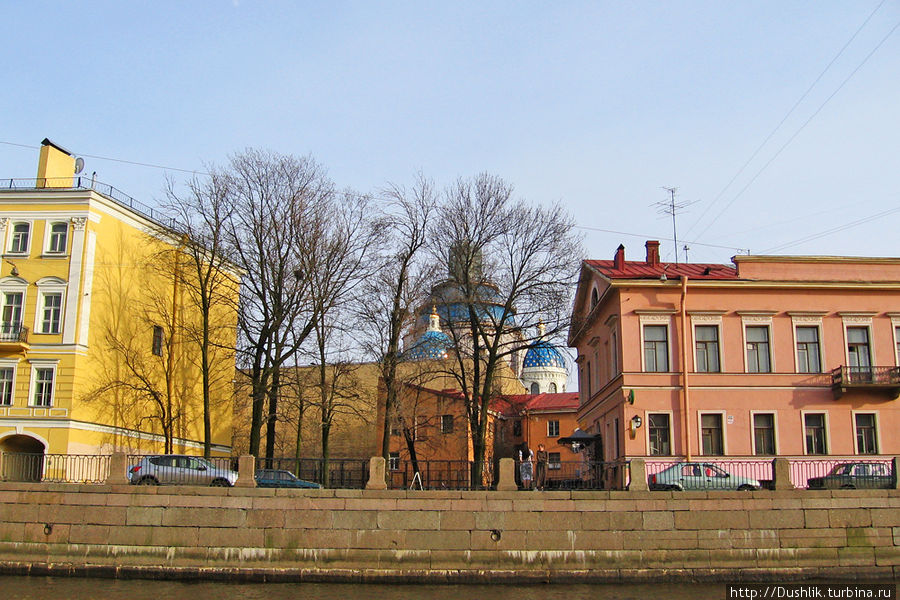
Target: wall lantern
<point>635,422</point>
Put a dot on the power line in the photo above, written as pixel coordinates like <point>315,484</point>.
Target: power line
<point>648,236</point>
<point>119,160</point>
<point>802,127</point>
<point>837,229</point>
<point>785,118</point>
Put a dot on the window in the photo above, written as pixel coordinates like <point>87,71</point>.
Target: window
<point>394,461</point>
<point>552,388</point>
<point>758,349</point>
<point>419,431</point>
<point>157,340</point>
<point>711,434</point>
<point>57,241</point>
<point>517,428</point>
<point>595,298</point>
<point>660,439</point>
<point>43,386</point>
<point>858,348</point>
<point>764,434</point>
<point>614,355</point>
<point>6,385</point>
<point>552,428</point>
<point>897,338</point>
<point>12,313</point>
<point>534,388</point>
<point>808,356</point>
<point>707,340</point>
<point>866,442</point>
<point>51,312</point>
<point>19,241</point>
<point>554,461</point>
<point>656,348</point>
<point>446,423</point>
<point>814,425</point>
<point>588,377</point>
<point>395,428</point>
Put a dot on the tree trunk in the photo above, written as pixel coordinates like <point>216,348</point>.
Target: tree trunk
<point>273,415</point>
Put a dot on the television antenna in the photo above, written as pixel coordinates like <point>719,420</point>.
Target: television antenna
<point>670,207</point>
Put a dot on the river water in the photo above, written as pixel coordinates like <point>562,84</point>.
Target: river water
<point>72,588</point>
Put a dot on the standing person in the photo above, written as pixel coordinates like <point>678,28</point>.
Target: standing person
<point>526,465</point>
<point>542,459</point>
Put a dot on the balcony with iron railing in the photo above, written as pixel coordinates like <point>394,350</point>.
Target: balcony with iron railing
<point>876,379</point>
<point>78,182</point>
<point>13,337</point>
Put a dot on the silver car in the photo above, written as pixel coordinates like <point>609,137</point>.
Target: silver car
<point>699,476</point>
<point>179,469</point>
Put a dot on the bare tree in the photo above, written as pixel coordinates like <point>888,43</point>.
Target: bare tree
<point>201,215</point>
<point>392,292</point>
<point>511,266</point>
<point>278,205</point>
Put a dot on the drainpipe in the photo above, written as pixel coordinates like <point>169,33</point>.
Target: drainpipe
<point>685,389</point>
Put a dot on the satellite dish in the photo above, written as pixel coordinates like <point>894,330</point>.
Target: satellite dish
<point>79,165</point>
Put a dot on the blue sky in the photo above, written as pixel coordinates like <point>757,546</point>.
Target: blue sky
<point>594,105</point>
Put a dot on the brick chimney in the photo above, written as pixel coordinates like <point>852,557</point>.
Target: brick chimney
<point>619,260</point>
<point>652,252</point>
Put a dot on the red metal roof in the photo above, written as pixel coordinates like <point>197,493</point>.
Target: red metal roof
<point>513,405</point>
<point>644,270</point>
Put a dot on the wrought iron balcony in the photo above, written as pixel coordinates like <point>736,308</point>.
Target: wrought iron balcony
<point>13,332</point>
<point>885,379</point>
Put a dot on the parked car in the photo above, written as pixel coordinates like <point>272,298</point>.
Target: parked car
<point>699,476</point>
<point>180,470</point>
<point>852,475</point>
<point>280,478</point>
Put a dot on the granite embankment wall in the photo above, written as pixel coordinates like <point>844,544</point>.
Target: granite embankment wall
<point>316,535</point>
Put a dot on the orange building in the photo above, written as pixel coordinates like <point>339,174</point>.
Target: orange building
<point>773,355</point>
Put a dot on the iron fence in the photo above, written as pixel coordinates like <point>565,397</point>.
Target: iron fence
<point>576,475</point>
<point>709,473</point>
<point>53,468</point>
<point>842,473</point>
<point>13,332</point>
<point>343,473</point>
<point>178,469</point>
<point>438,475</point>
<point>841,376</point>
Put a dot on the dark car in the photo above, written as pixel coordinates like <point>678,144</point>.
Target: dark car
<point>279,478</point>
<point>853,475</point>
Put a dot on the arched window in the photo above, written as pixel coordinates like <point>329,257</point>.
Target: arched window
<point>56,240</point>
<point>595,298</point>
<point>552,388</point>
<point>535,389</point>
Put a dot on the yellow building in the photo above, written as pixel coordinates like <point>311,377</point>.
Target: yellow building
<point>96,351</point>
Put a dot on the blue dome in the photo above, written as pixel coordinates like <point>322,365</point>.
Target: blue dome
<point>543,354</point>
<point>432,345</point>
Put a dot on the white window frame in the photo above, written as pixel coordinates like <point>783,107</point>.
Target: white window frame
<point>671,414</point>
<point>724,416</point>
<point>14,365</point>
<point>48,232</point>
<point>701,321</point>
<point>858,321</point>
<point>803,414</point>
<point>757,321</point>
<point>800,321</point>
<point>10,233</point>
<point>48,286</point>
<point>774,414</point>
<point>557,428</point>
<point>14,285</point>
<point>895,323</point>
<point>853,414</point>
<point>32,388</point>
<point>668,326</point>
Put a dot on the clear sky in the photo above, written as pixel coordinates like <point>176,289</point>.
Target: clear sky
<point>597,105</point>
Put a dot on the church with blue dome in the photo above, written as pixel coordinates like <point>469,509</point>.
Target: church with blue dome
<point>434,344</point>
<point>544,367</point>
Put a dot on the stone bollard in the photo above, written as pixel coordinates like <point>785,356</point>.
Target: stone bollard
<point>507,481</point>
<point>638,475</point>
<point>781,474</point>
<point>895,462</point>
<point>376,474</point>
<point>118,469</point>
<point>246,472</point>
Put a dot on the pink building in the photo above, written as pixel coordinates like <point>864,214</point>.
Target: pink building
<point>788,356</point>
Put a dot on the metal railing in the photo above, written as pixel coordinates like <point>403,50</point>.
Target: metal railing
<point>709,473</point>
<point>78,182</point>
<point>577,475</point>
<point>886,376</point>
<point>437,475</point>
<point>53,468</point>
<point>343,473</point>
<point>842,473</point>
<point>13,332</point>
<point>177,469</point>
